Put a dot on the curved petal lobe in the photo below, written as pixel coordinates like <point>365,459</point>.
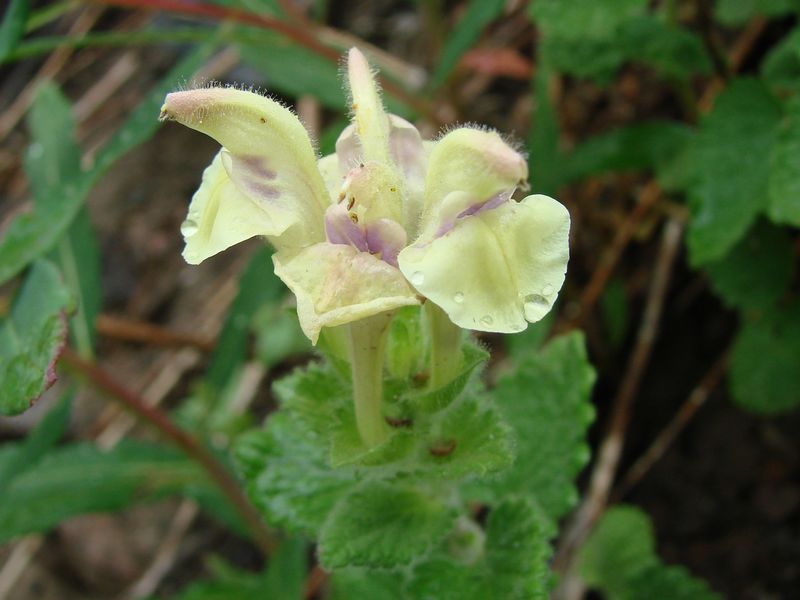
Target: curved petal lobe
<point>221,216</point>
<point>336,284</point>
<point>498,269</point>
<point>269,154</point>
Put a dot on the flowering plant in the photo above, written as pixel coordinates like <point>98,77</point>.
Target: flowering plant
<point>387,221</point>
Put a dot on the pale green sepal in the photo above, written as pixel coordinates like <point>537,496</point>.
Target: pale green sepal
<point>336,284</point>
<point>269,154</point>
<point>496,270</point>
<point>476,161</point>
<point>221,216</point>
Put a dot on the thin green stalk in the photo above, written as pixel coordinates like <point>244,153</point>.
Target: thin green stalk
<point>445,338</point>
<point>367,350</point>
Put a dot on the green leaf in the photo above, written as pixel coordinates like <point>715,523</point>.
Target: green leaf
<point>757,271</point>
<point>13,26</point>
<point>283,579</point>
<point>731,163</point>
<point>52,164</point>
<point>53,158</point>
<point>513,566</point>
<point>287,474</point>
<point>781,67</point>
<point>619,559</point>
<point>546,401</point>
<point>383,525</point>
<point>582,19</point>
<point>37,444</point>
<point>736,12</point>
<point>258,286</point>
<point>293,70</point>
<point>347,584</point>
<point>29,236</point>
<point>78,254</point>
<point>80,479</point>
<point>764,377</point>
<point>31,338</point>
<point>784,174</point>
<point>545,161</point>
<point>478,14</point>
<point>636,147</point>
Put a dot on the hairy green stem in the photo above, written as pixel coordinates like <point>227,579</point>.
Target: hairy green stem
<point>367,349</point>
<point>445,338</point>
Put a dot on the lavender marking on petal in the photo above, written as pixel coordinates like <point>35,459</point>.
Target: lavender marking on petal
<point>386,238</point>
<point>339,229</point>
<point>255,166</point>
<point>262,190</point>
<point>479,207</point>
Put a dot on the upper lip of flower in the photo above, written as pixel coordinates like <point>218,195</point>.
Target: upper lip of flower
<point>384,220</point>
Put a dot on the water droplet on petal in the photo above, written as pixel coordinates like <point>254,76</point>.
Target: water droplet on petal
<point>418,278</point>
<point>547,290</point>
<point>535,306</point>
<point>189,228</point>
<point>487,320</point>
<point>458,298</point>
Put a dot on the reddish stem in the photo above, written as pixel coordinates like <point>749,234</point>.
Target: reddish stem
<point>193,448</point>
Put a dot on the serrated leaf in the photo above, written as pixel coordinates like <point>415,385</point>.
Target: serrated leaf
<point>784,170</point>
<point>764,374</point>
<point>731,161</point>
<point>619,558</point>
<point>32,337</point>
<point>513,567</point>
<point>383,525</point>
<point>757,271</point>
<point>477,15</point>
<point>29,236</point>
<point>736,12</point>
<point>347,584</point>
<point>288,478</point>
<point>546,401</point>
<point>80,479</point>
<point>13,26</point>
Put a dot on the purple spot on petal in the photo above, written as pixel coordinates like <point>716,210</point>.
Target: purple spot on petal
<point>255,167</point>
<point>386,238</point>
<point>262,190</point>
<point>340,229</point>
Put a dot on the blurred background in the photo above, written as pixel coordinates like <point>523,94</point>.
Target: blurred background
<point>670,129</point>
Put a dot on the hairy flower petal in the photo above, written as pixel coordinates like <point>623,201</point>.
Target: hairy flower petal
<point>498,269</point>
<point>221,216</point>
<point>268,154</point>
<point>475,161</point>
<point>336,284</point>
